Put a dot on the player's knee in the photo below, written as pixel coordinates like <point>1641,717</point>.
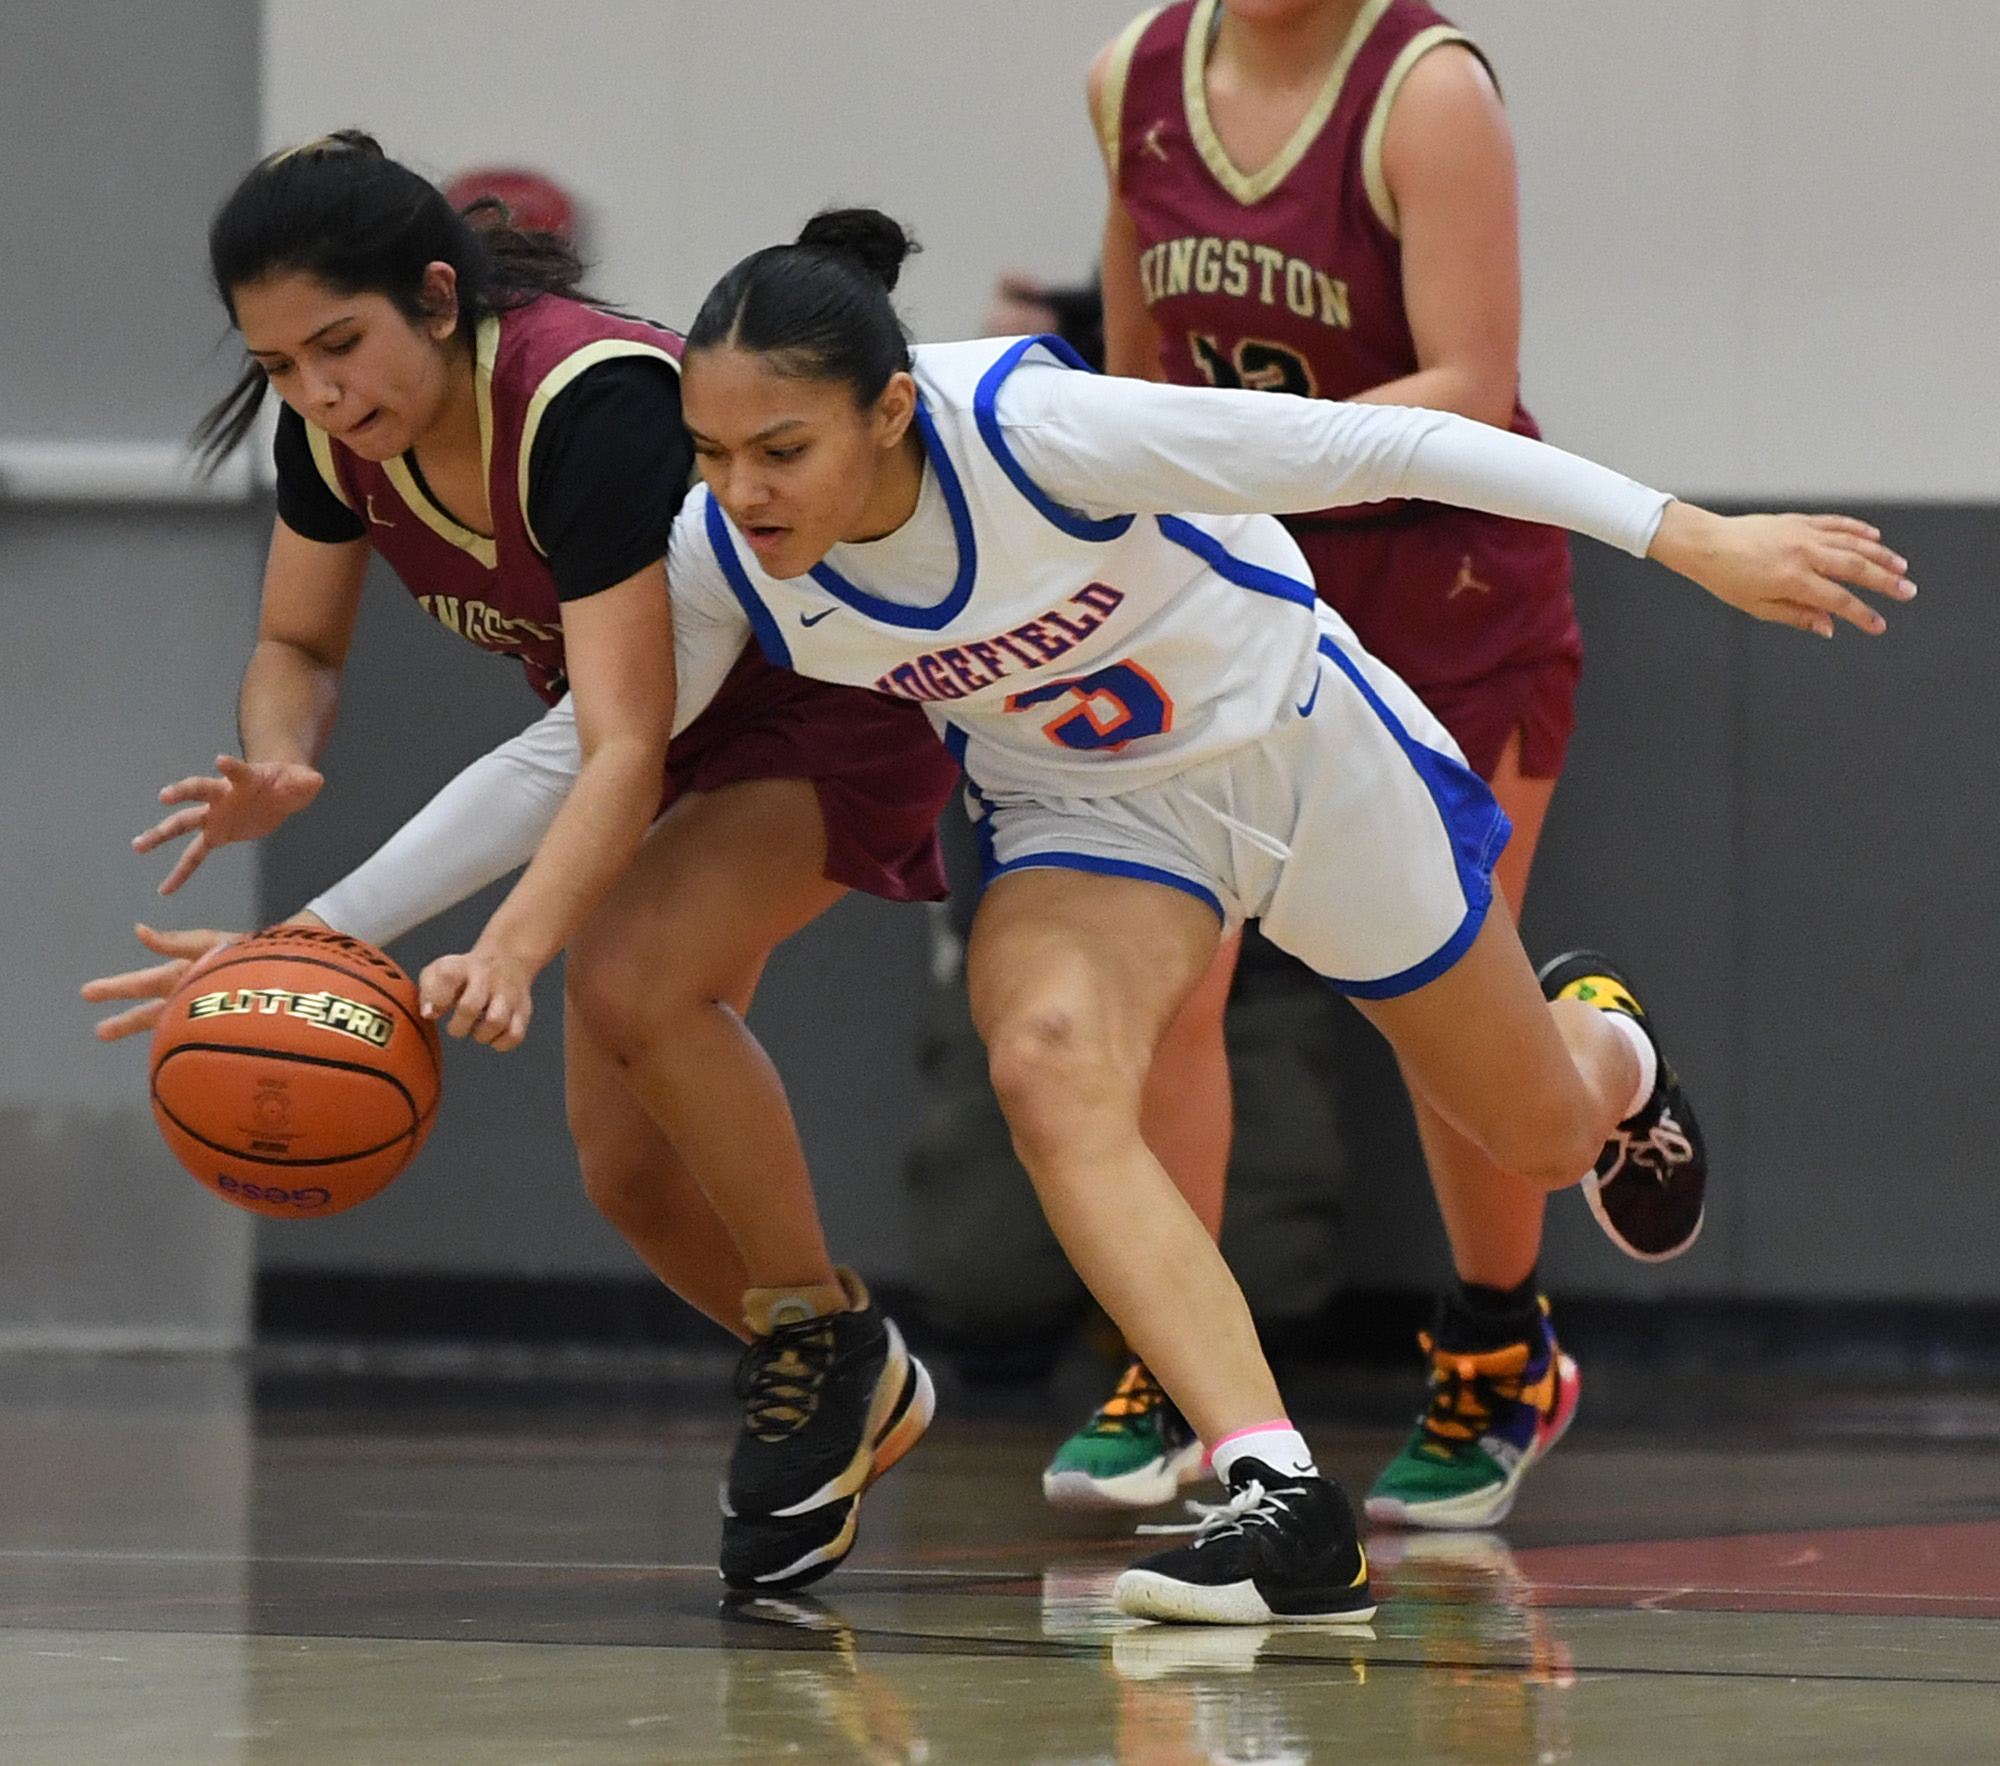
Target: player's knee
<point>627,1007</point>
<point>1052,1075</point>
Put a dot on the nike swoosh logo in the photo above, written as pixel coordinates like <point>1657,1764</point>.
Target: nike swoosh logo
<point>815,618</point>
<point>1312,698</point>
<point>377,520</point>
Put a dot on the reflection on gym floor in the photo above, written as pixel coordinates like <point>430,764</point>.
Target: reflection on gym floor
<point>519,1573</point>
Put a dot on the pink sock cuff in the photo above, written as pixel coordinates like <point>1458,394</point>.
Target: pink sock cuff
<point>1283,1422</point>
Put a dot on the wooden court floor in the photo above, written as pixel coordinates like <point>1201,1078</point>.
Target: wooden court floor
<point>514,1567</point>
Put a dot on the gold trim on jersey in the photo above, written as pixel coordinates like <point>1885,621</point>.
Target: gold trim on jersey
<point>605,349</point>
<point>322,452</point>
<point>1248,188</point>
<point>1380,199</point>
<point>1111,98</point>
<point>479,545</point>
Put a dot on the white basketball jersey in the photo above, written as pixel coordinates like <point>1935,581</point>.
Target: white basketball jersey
<point>1054,651</point>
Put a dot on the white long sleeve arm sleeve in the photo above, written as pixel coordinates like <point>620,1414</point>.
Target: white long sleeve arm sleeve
<point>487,821</point>
<point>1110,446</point>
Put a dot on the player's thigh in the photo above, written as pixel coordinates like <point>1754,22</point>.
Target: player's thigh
<point>1077,969</point>
<point>722,878</point>
<point>1479,1043</point>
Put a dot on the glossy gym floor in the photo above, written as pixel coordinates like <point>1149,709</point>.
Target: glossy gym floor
<point>507,1559</point>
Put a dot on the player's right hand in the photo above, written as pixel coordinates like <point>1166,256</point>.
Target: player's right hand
<point>243,800</point>
<point>485,994</point>
<point>183,950</point>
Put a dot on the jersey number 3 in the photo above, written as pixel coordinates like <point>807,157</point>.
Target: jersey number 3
<point>1114,706</point>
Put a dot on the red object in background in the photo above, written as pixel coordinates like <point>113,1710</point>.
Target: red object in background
<point>535,201</point>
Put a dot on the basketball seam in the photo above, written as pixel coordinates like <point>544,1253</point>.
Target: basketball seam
<point>418,1119</point>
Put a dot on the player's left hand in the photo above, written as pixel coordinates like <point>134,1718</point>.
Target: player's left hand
<point>242,800</point>
<point>484,994</point>
<point>1796,570</point>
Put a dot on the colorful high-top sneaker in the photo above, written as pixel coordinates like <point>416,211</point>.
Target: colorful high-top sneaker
<point>1135,1452</point>
<point>1491,1416</point>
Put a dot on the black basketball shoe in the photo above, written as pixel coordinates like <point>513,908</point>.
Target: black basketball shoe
<point>1649,1182</point>
<point>1282,1548</point>
<point>831,1402</point>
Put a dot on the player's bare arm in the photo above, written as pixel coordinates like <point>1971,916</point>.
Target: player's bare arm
<point>1131,339</point>
<point>1448,161</point>
<point>620,651</point>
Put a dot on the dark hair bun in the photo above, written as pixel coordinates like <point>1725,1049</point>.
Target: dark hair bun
<point>879,244</point>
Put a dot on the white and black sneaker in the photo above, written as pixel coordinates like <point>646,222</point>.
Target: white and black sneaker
<point>1648,1185</point>
<point>831,1402</point>
<point>1282,1549</point>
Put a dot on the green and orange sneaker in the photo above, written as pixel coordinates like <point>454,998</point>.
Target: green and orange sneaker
<point>1135,1452</point>
<point>1490,1417</point>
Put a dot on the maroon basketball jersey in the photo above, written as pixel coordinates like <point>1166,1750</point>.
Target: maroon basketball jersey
<point>1291,279</point>
<point>497,592</point>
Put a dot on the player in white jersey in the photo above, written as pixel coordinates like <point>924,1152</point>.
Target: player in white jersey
<point>1166,733</point>
<point>1168,736</point>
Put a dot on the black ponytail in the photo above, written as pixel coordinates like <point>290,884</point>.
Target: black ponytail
<point>341,211</point>
<point>821,306</point>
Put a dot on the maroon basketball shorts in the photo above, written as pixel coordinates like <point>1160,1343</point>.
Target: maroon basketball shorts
<point>1473,611</point>
<point>879,770</point>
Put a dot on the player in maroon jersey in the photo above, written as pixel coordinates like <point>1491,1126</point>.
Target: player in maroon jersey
<point>1318,197</point>
<point>516,454</point>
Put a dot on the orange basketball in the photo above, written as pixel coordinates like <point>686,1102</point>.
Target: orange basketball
<point>293,1073</point>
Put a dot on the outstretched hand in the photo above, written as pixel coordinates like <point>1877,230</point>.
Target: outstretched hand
<point>244,800</point>
<point>183,951</point>
<point>1796,570</point>
<point>486,995</point>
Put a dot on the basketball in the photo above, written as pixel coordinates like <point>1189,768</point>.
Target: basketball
<point>294,1074</point>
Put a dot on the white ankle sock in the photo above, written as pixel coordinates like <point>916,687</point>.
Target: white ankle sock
<point>1277,1444</point>
<point>1629,1027</point>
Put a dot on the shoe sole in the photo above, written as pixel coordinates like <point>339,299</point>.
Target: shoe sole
<point>1157,1482</point>
<point>1602,1216</point>
<point>810,1565</point>
<point>1479,1509</point>
<point>1146,1594</point>
<point>906,1426</point>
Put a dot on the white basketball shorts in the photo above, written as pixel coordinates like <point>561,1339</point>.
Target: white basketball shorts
<point>1353,830</point>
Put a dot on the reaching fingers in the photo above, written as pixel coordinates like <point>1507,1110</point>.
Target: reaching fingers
<point>123,1024</point>
<point>1845,524</point>
<point>190,944</point>
<point>186,865</point>
<point>182,821</point>
<point>135,984</point>
<point>1867,564</point>
<point>200,789</point>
